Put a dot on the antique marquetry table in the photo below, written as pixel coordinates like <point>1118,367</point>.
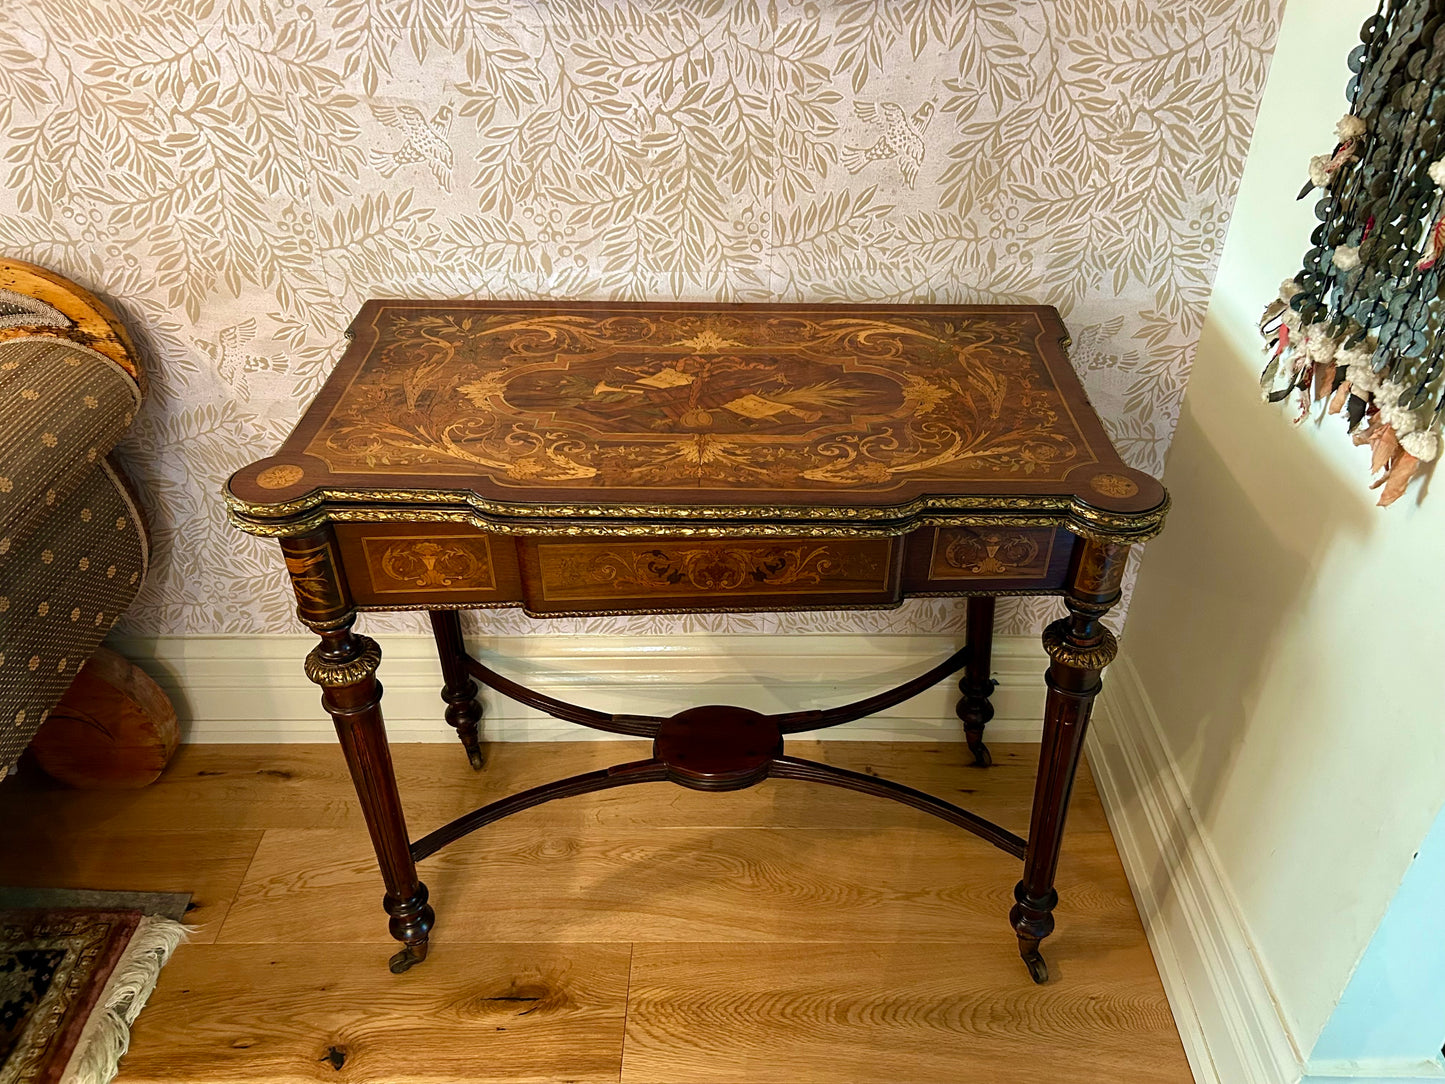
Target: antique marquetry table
<point>573,458</point>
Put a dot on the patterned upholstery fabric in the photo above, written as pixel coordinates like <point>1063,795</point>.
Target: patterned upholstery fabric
<point>73,545</point>
<point>62,407</point>
<point>61,589</point>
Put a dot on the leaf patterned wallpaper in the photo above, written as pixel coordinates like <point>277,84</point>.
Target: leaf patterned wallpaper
<point>239,175</point>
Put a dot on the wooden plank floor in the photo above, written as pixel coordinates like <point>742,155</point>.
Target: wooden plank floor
<point>651,935</point>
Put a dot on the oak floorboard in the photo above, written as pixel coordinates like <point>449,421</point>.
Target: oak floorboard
<point>246,1014</point>
<point>517,881</point>
<point>787,933</point>
<point>230,787</point>
<point>896,1012</point>
<point>209,865</point>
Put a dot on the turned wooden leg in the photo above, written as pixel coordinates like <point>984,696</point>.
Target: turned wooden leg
<point>974,708</point>
<point>344,665</point>
<point>464,710</point>
<point>1079,647</point>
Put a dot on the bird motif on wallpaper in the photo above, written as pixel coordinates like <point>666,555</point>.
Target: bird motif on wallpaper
<point>427,141</point>
<point>902,138</point>
<point>232,362</point>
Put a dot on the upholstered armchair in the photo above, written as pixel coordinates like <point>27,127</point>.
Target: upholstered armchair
<point>73,545</point>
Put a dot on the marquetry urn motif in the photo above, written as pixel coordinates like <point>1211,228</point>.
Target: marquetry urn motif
<point>989,552</point>
<point>442,563</point>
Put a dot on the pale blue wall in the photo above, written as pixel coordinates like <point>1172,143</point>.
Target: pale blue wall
<point>1391,1016</point>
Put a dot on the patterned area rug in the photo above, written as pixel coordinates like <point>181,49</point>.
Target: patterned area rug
<point>75,971</point>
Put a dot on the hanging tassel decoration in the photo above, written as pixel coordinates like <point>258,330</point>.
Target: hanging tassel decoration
<point>1359,332</point>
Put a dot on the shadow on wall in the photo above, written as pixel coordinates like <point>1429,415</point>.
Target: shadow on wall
<point>1256,509</point>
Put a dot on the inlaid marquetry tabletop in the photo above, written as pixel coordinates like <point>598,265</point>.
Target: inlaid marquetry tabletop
<point>796,414</point>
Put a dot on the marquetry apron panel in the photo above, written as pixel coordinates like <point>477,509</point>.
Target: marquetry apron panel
<point>968,559</point>
<point>588,575</point>
<point>422,563</point>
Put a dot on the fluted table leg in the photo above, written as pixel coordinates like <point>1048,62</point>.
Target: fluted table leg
<point>344,665</point>
<point>1079,647</point>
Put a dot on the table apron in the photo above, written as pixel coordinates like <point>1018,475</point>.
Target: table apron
<point>457,566</point>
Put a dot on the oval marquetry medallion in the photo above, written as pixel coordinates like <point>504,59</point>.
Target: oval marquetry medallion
<point>280,476</point>
<point>1113,485</point>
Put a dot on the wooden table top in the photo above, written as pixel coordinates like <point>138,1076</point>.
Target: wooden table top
<point>564,416</point>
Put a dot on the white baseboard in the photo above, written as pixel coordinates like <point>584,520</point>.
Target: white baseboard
<point>1227,1016</point>
<point>252,689</point>
<point>1375,1071</point>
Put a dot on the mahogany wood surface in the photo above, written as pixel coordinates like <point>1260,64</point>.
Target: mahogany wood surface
<point>695,405</point>
<point>575,458</point>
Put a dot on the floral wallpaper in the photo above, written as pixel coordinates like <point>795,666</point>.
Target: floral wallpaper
<point>239,175</point>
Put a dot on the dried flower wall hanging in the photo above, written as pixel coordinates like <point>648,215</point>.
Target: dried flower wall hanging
<point>1359,329</point>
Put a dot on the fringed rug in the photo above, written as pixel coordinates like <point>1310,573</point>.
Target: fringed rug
<point>75,971</point>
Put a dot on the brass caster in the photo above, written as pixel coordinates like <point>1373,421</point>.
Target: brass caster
<point>474,756</point>
<point>1038,970</point>
<point>407,958</point>
<point>982,758</point>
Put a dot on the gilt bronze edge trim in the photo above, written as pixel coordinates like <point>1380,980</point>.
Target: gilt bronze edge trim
<point>620,521</point>
<point>650,611</point>
<point>1021,592</point>
<point>370,498</point>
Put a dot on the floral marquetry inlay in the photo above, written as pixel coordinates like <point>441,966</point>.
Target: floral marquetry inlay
<point>609,397</point>
<point>1113,485</point>
<point>279,477</point>
<point>312,566</point>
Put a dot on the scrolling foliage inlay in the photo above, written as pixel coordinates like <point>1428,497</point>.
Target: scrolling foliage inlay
<point>408,563</point>
<point>718,568</point>
<point>590,571</point>
<point>966,553</point>
<point>726,401</point>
